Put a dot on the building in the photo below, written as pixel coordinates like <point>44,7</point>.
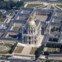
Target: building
<point>32,28</point>
<point>31,31</point>
<point>12,0</point>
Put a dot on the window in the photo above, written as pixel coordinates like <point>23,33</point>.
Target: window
<point>53,39</point>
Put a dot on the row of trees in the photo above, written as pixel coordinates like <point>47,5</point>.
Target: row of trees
<point>10,4</point>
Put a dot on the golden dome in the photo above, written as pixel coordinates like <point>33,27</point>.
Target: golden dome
<point>31,21</point>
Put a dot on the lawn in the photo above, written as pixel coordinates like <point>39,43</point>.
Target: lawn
<point>35,5</point>
<point>4,52</point>
<point>2,19</point>
<point>18,49</point>
<point>4,49</point>
<point>60,5</point>
<point>60,61</point>
<point>16,28</point>
<point>48,60</point>
<point>33,50</point>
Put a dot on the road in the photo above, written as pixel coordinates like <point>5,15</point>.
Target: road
<point>21,60</point>
<point>48,1</point>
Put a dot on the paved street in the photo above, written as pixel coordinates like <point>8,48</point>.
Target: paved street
<point>20,60</point>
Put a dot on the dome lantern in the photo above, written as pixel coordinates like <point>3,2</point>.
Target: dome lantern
<point>31,22</point>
